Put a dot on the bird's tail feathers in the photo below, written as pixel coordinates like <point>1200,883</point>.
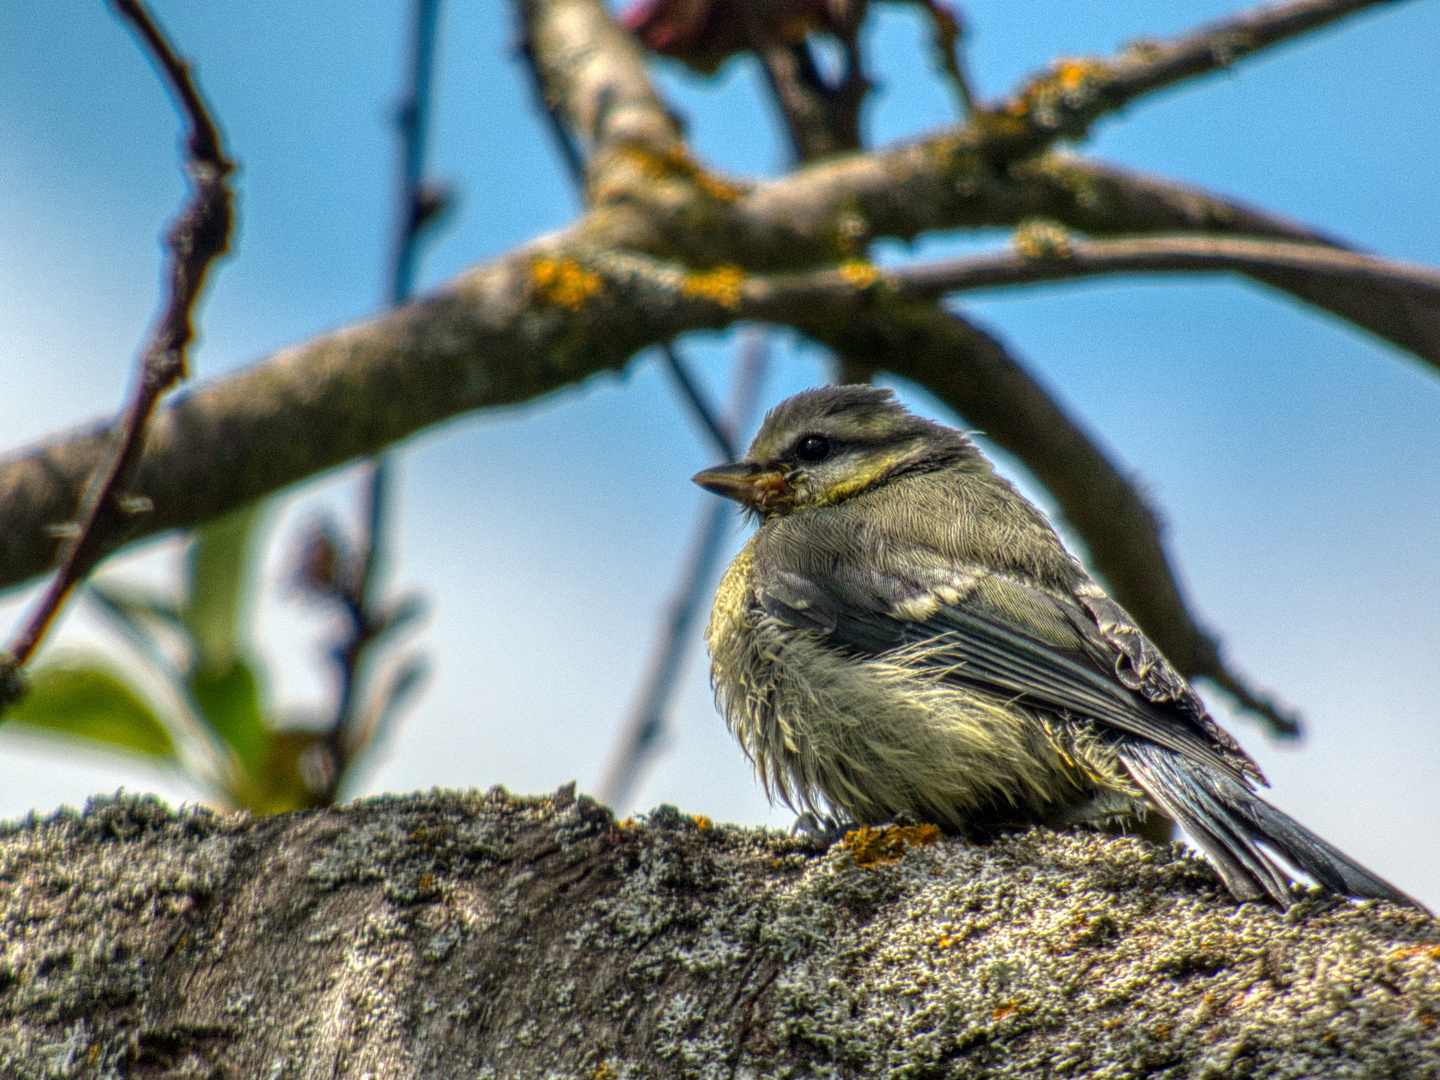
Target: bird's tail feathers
<point>1234,827</point>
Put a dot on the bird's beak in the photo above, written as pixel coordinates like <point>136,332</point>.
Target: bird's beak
<point>743,482</point>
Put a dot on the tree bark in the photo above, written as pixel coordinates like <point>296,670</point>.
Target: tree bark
<point>481,935</point>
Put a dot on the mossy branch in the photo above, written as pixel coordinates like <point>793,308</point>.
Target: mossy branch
<point>484,935</point>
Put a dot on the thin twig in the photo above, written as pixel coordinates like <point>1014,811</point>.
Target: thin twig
<point>367,617</point>
<point>721,433</point>
<point>199,236</point>
<point>640,737</point>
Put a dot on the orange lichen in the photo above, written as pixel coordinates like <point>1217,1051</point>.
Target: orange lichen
<point>874,847</point>
<point>1068,78</point>
<point>701,821</point>
<point>676,163</point>
<point>722,284</point>
<point>1002,1011</point>
<point>563,282</point>
<point>1073,74</point>
<point>859,273</point>
<point>1432,951</point>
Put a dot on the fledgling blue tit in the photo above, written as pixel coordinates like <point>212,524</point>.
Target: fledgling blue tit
<point>906,634</point>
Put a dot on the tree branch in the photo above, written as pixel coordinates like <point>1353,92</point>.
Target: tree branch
<point>504,333</point>
<point>198,236</point>
<point>468,934</point>
<point>1047,254</point>
<point>593,75</point>
<point>1065,102</point>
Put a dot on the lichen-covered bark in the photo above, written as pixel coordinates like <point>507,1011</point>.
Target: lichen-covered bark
<point>480,935</point>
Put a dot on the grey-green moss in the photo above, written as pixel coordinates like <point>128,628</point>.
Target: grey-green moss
<point>481,935</point>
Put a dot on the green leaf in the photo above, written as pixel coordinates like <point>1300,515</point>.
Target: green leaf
<point>229,700</point>
<point>220,580</point>
<point>278,783</point>
<point>85,700</point>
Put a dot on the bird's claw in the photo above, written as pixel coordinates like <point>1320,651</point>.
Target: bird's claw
<point>823,829</point>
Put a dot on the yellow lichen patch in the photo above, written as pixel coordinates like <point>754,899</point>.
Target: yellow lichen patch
<point>859,273</point>
<point>1005,1009</point>
<point>603,1071</point>
<point>1068,78</point>
<point>563,282</point>
<point>702,822</point>
<point>676,163</point>
<point>721,284</point>
<point>873,847</point>
<point>1073,74</point>
<point>1432,951</point>
<point>1040,238</point>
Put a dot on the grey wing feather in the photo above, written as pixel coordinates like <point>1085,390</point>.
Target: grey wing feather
<point>1142,667</point>
<point>988,652</point>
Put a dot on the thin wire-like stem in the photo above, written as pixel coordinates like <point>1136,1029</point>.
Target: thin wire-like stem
<point>641,735</point>
<point>365,614</point>
<point>199,236</point>
<point>720,433</point>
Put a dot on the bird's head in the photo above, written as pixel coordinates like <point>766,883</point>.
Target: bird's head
<point>825,445</point>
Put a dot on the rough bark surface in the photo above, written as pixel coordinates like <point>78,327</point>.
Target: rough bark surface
<point>482,935</point>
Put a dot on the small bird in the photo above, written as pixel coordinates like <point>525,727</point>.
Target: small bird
<point>905,634</point>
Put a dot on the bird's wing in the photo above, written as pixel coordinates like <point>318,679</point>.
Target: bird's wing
<point>1141,666</point>
<point>1010,638</point>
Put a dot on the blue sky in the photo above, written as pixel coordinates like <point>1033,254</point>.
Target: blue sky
<point>1294,458</point>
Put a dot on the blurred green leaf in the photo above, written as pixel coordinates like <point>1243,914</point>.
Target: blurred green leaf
<point>219,584</point>
<point>86,700</point>
<point>229,701</point>
<point>279,783</point>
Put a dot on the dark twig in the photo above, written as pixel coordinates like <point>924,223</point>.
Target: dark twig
<point>949,29</point>
<point>721,433</point>
<point>359,592</point>
<point>640,737</point>
<point>199,236</point>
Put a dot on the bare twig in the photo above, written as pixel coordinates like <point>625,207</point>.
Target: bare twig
<point>367,616</point>
<point>1037,259</point>
<point>949,29</point>
<point>641,734</point>
<point>199,236</point>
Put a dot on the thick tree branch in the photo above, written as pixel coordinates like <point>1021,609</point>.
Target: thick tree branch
<point>593,76</point>
<point>468,934</point>
<point>1044,253</point>
<point>503,333</point>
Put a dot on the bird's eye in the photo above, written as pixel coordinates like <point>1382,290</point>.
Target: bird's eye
<point>813,448</point>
